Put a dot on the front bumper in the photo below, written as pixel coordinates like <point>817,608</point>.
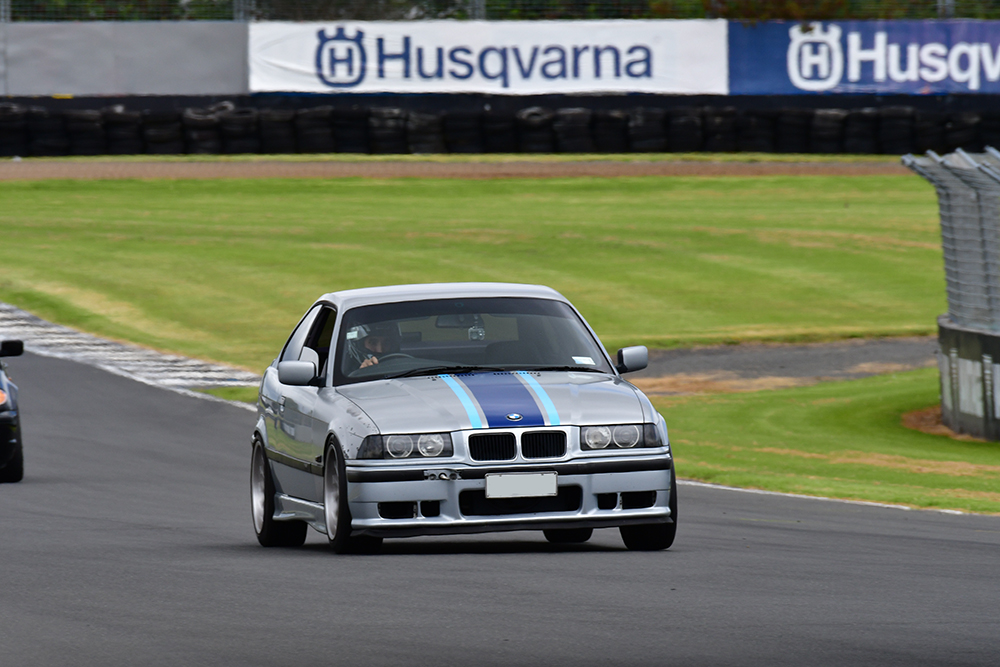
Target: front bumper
<point>446,500</point>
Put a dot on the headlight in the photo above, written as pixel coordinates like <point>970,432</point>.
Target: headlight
<point>399,446</point>
<point>622,436</point>
<point>406,446</point>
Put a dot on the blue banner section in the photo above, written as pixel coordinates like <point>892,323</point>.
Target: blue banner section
<point>882,57</point>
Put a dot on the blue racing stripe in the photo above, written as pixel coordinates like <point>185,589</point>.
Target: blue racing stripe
<point>470,409</point>
<point>547,403</point>
<point>500,394</point>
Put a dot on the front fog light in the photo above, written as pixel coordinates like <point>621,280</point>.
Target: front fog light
<point>399,446</point>
<point>626,435</point>
<point>596,437</point>
<point>432,444</point>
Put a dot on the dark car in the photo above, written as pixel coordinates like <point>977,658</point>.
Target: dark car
<point>11,450</point>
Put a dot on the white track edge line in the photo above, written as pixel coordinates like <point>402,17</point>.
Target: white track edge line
<point>146,381</point>
<point>868,503</point>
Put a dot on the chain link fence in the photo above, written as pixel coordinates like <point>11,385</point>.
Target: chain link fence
<point>968,188</point>
<point>396,10</point>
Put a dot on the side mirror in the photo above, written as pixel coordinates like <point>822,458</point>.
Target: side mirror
<point>11,348</point>
<point>296,373</point>
<point>632,359</point>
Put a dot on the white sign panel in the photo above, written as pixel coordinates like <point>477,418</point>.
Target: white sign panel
<point>501,57</point>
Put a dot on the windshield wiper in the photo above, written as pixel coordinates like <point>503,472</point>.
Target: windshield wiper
<point>585,369</point>
<point>438,370</point>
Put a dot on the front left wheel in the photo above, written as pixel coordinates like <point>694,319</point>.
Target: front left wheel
<point>270,533</point>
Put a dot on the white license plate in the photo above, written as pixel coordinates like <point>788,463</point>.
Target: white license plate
<point>521,484</point>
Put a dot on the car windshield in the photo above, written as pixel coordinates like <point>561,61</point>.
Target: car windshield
<point>463,335</point>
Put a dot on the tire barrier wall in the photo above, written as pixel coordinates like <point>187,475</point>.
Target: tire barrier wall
<point>30,130</point>
<point>968,188</point>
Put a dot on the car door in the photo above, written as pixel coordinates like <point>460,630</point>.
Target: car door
<point>299,440</point>
<point>282,425</point>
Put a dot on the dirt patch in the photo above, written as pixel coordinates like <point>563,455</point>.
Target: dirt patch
<point>111,169</point>
<point>723,382</point>
<point>929,421</point>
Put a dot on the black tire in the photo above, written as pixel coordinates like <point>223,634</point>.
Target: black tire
<point>14,470</point>
<point>270,533</point>
<point>653,536</point>
<point>568,535</point>
<point>337,510</point>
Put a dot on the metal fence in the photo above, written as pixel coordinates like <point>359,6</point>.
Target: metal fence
<point>330,10</point>
<point>968,188</point>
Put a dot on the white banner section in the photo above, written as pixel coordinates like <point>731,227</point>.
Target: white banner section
<point>501,57</point>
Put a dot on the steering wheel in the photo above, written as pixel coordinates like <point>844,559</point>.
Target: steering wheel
<point>394,355</point>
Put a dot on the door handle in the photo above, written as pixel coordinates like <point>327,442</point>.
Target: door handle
<point>281,404</point>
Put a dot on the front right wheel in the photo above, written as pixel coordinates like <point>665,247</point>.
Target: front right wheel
<point>654,536</point>
<point>270,533</point>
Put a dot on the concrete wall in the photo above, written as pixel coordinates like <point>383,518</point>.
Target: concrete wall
<point>123,58</point>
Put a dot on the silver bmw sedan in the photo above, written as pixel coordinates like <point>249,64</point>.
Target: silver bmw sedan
<point>456,408</point>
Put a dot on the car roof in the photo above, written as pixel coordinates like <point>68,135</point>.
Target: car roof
<point>393,293</point>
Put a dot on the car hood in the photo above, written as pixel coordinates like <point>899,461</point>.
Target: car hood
<point>495,400</point>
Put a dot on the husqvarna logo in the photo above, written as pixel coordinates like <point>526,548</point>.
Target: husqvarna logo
<point>815,58</point>
<point>340,60</point>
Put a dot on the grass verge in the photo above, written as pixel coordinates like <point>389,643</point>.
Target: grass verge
<point>497,158</point>
<point>838,439</point>
<point>223,269</point>
<point>240,394</point>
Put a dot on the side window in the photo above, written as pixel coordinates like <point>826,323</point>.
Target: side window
<point>293,348</point>
<point>319,337</point>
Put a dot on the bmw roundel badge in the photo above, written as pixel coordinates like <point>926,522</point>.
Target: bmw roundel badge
<point>515,417</point>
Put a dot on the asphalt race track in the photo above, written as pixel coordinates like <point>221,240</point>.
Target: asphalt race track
<point>130,543</point>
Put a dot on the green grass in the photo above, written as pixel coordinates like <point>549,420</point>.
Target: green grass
<point>242,394</point>
<point>495,158</point>
<point>223,269</point>
<point>839,439</point>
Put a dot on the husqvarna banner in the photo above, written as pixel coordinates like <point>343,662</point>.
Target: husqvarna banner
<point>908,57</point>
<point>503,57</point>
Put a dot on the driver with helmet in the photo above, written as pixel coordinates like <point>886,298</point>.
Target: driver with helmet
<point>367,342</point>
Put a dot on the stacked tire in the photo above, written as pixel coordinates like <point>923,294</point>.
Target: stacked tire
<point>162,132</point>
<point>47,135</point>
<point>313,130</point>
<point>425,133</point>
<point>463,132</point>
<point>684,130</point>
<point>239,130</point>
<point>85,129</point>
<point>861,131</point>
<point>826,134</point>
<point>792,130</point>
<point>989,129</point>
<point>895,130</point>
<point>720,130</point>
<point>499,132</point>
<point>13,130</point>
<point>534,130</point>
<point>201,131</point>
<point>928,132</point>
<point>962,131</point>
<point>277,131</point>
<point>647,131</point>
<point>755,132</point>
<point>123,130</point>
<point>571,128</point>
<point>611,131</point>
<point>387,130</point>
<point>350,129</point>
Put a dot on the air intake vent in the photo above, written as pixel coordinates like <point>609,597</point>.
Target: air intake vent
<point>543,445</point>
<point>492,446</point>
